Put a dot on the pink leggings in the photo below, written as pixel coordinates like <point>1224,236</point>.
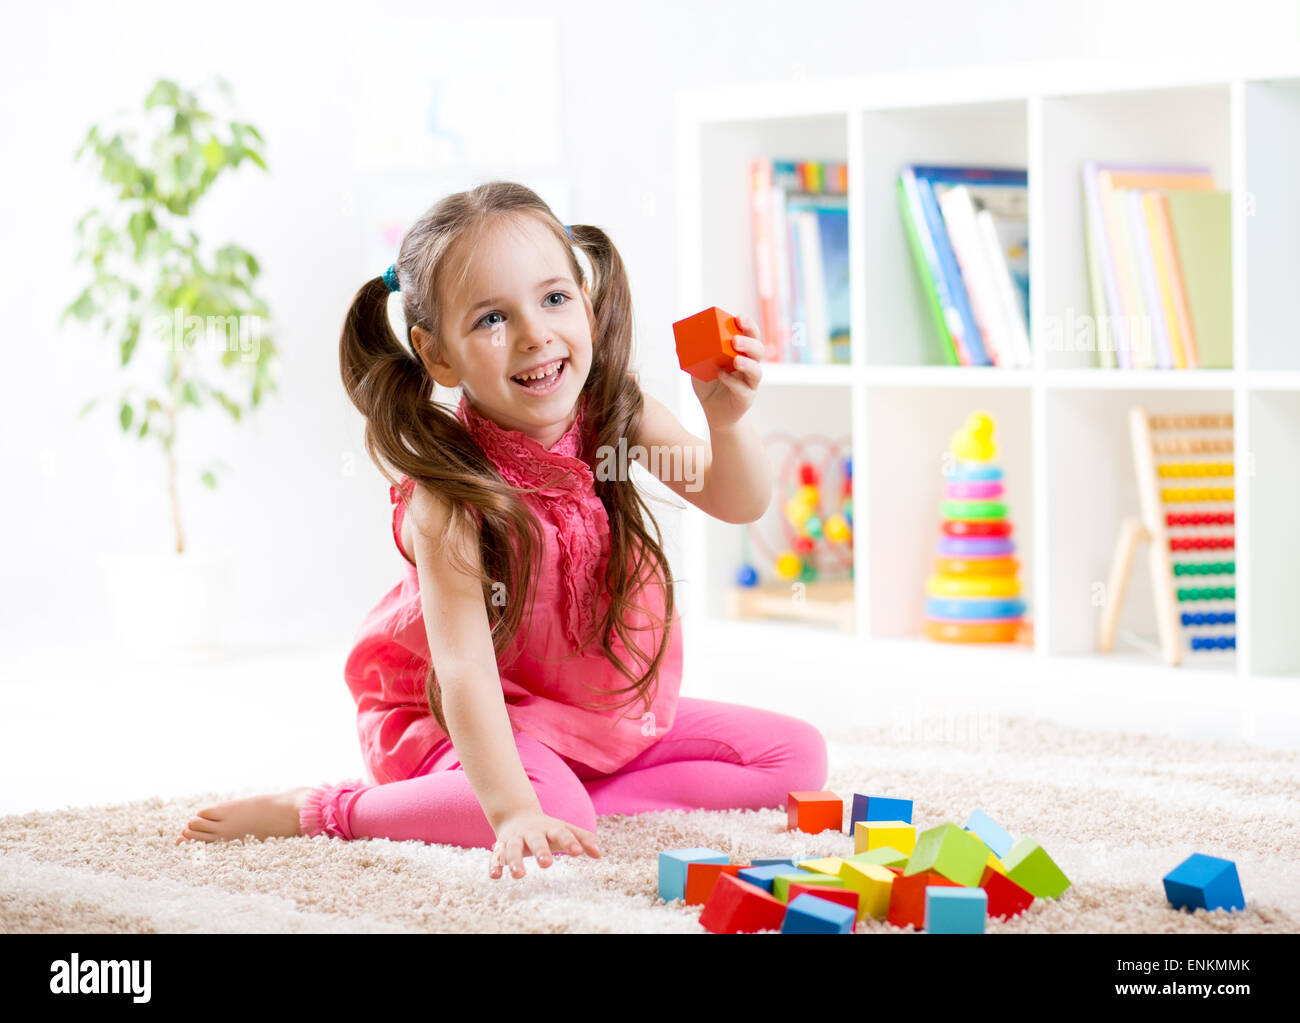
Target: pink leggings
<point>716,756</point>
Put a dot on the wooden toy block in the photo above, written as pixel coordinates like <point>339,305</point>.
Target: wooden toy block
<point>761,877</point>
<point>1006,898</point>
<point>879,808</point>
<point>869,835</point>
<point>955,910</point>
<point>706,342</point>
<point>763,861</point>
<point>951,852</point>
<point>882,856</point>
<point>1029,866</point>
<point>989,832</point>
<point>1204,882</point>
<point>907,898</point>
<point>782,883</point>
<point>808,914</point>
<point>672,869</point>
<point>873,883</point>
<point>823,865</point>
<point>995,863</point>
<point>701,877</point>
<point>844,896</point>
<point>737,907</point>
<point>814,812</point>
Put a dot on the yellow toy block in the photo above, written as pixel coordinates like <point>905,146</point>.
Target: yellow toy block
<point>873,884</point>
<point>995,863</point>
<point>782,882</point>
<point>824,865</point>
<point>868,835</point>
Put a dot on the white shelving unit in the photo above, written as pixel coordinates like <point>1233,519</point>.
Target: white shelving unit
<point>1062,430</point>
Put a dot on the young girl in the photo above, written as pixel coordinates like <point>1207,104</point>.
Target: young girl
<point>491,683</point>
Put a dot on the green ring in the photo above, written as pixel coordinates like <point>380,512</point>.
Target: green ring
<point>974,510</point>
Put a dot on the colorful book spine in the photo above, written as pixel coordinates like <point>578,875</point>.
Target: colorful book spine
<point>951,272</point>
<point>1152,301</point>
<point>760,194</point>
<point>1013,315</point>
<point>1116,327</point>
<point>1178,293</point>
<point>959,217</point>
<point>1161,258</point>
<point>954,320</point>
<point>927,270</point>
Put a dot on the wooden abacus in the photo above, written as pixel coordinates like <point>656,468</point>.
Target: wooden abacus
<point>1160,446</point>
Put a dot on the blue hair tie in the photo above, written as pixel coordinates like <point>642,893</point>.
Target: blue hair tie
<point>390,278</point>
<point>568,230</point>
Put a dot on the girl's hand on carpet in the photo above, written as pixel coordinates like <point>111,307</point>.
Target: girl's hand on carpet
<point>537,833</point>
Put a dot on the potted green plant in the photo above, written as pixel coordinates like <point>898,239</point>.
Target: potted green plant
<point>190,333</point>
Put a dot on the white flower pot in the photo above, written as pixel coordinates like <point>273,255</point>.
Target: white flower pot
<point>168,605</point>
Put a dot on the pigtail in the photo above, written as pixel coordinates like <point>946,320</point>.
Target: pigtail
<point>407,434</point>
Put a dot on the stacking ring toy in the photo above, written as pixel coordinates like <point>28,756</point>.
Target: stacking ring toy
<point>976,547</point>
<point>979,527</point>
<point>976,566</point>
<point>973,510</point>
<point>973,610</point>
<point>972,632</point>
<point>967,472</point>
<point>979,490</point>
<point>973,586</point>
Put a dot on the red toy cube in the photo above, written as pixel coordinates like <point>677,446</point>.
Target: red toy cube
<point>1006,898</point>
<point>701,877</point>
<point>844,896</point>
<point>704,342</point>
<point>737,906</point>
<point>907,897</point>
<point>814,811</point>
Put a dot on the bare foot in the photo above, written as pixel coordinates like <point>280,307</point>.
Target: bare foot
<point>270,816</point>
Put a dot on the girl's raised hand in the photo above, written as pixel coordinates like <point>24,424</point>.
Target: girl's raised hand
<point>538,834</point>
<point>730,396</point>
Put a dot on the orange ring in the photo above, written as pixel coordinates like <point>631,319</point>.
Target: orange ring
<point>972,632</point>
<point>977,566</point>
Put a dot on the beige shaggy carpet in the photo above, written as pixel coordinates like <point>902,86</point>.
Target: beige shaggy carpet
<point>1116,812</point>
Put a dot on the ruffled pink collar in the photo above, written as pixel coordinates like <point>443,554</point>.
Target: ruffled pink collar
<point>523,461</point>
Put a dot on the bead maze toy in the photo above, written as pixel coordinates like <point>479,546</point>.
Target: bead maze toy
<point>1181,461</point>
<point>705,342</point>
<point>815,547</point>
<point>974,594</point>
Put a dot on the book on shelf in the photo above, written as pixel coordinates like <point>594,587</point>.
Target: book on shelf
<point>800,221</point>
<point>968,231</point>
<point>1162,299</point>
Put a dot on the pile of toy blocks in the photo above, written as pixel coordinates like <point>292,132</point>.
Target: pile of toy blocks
<point>945,880</point>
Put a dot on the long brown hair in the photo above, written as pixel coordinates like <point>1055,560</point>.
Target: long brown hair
<point>409,434</point>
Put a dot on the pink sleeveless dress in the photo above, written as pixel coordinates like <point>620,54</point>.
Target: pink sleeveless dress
<point>389,660</point>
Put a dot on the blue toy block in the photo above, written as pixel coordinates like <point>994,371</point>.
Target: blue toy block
<point>990,833</point>
<point>1204,882</point>
<point>807,914</point>
<point>767,861</point>
<point>879,808</point>
<point>955,910</point>
<point>762,876</point>
<point>672,869</point>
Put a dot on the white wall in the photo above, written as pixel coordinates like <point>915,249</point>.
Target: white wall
<point>313,539</point>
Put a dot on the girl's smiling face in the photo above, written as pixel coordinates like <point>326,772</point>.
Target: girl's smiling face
<point>517,310</point>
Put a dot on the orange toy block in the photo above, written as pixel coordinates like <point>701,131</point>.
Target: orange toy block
<point>701,877</point>
<point>907,897</point>
<point>737,906</point>
<point>704,342</point>
<point>814,811</point>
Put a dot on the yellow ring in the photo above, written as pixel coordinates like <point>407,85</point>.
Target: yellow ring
<point>973,586</point>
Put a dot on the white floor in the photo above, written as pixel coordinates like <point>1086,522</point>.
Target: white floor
<point>83,728</point>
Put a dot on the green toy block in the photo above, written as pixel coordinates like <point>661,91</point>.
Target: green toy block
<point>1029,866</point>
<point>782,882</point>
<point>951,852</point>
<point>885,856</point>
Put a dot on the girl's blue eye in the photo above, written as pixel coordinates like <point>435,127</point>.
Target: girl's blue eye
<point>554,305</point>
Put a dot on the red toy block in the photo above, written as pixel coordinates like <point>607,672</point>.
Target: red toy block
<point>844,896</point>
<point>737,906</point>
<point>814,811</point>
<point>907,897</point>
<point>705,342</point>
<point>701,877</point>
<point>1006,898</point>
